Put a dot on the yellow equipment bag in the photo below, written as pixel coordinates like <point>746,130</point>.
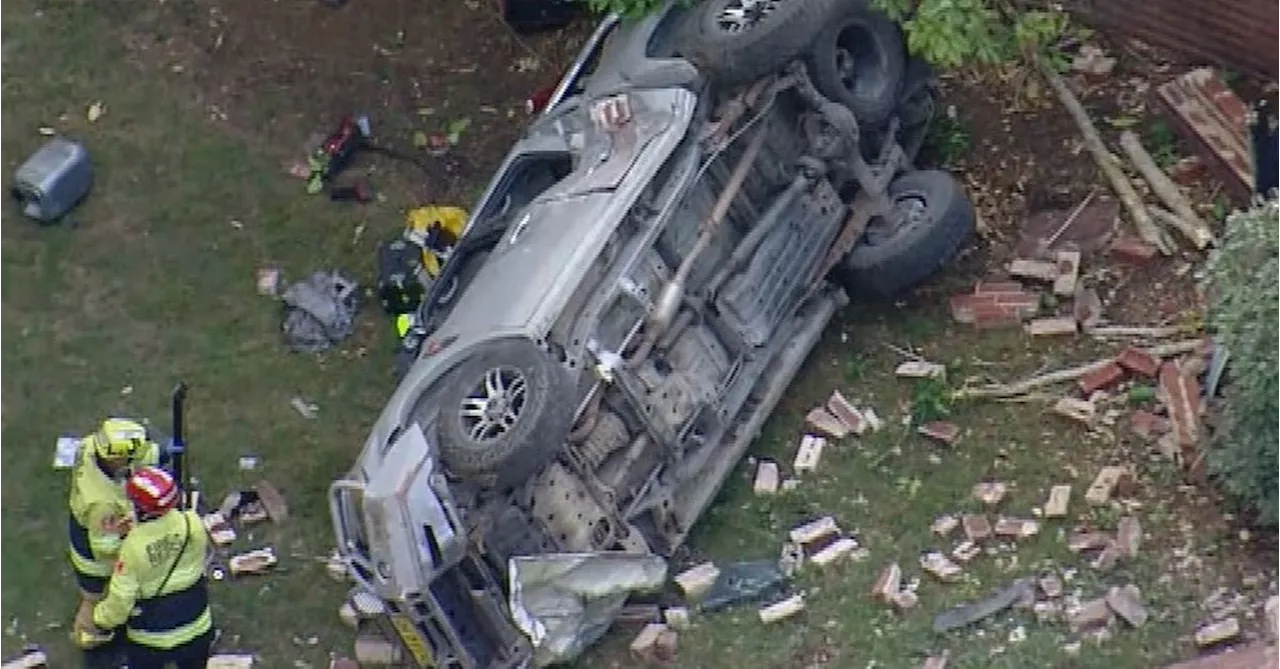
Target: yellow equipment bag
<point>436,229</point>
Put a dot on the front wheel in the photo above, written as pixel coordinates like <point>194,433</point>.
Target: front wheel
<point>932,219</point>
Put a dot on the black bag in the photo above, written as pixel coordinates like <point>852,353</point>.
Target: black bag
<point>400,287</point>
<point>530,16</point>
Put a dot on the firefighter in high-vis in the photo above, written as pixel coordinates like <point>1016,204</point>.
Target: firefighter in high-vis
<point>100,514</point>
<point>158,589</point>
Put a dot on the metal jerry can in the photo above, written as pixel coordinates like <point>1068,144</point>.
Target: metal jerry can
<point>53,180</point>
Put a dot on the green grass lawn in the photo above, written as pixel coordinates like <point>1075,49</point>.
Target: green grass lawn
<point>156,284</point>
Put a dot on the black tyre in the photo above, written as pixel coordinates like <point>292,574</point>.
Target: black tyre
<point>917,107</point>
<point>859,60</point>
<point>738,41</point>
<point>503,414</point>
<point>936,219</point>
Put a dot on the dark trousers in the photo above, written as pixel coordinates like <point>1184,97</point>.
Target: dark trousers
<point>193,655</point>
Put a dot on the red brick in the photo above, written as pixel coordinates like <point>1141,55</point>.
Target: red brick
<point>997,287</point>
<point>1147,425</point>
<point>1101,379</point>
<point>1132,250</point>
<point>1188,171</point>
<point>1182,397</point>
<point>1139,362</point>
<point>941,431</point>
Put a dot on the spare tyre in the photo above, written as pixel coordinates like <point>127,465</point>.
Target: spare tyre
<point>738,41</point>
<point>503,413</point>
<point>859,60</point>
<point>933,218</point>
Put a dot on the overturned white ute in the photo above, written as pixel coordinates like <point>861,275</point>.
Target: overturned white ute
<point>634,293</point>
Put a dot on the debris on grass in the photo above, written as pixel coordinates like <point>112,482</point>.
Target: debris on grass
<point>766,478</point>
<point>248,463</point>
<point>1107,558</point>
<point>1104,377</point>
<point>820,419</point>
<point>228,661</point>
<point>846,413</point>
<point>347,614</point>
<point>1126,602</point>
<point>253,562</point>
<point>936,661</point>
<point>1216,633</point>
<point>676,617</point>
<point>268,281</point>
<point>372,649</point>
<point>1052,326</point>
<point>1059,500</point>
<point>887,583</point>
<point>919,369</point>
<point>782,610</point>
<point>966,551</point>
<point>1082,411</point>
<point>940,431</point>
<point>1035,270</point>
<point>990,493</point>
<point>1105,484</point>
<point>809,454</point>
<point>644,644</point>
<point>1148,426</point>
<point>1051,585</point>
<point>1139,362</point>
<point>814,530</point>
<point>304,408</point>
<point>1090,615</point>
<point>273,503</point>
<point>742,582</point>
<point>944,525</point>
<point>95,111</point>
<point>1129,536</point>
<point>1016,528</point>
<point>874,423</point>
<point>696,581</point>
<point>32,659</point>
<point>836,550</point>
<point>976,527</point>
<point>219,529</point>
<point>940,566</point>
<point>1067,275</point>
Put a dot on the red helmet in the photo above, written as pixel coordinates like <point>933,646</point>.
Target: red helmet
<point>152,491</point>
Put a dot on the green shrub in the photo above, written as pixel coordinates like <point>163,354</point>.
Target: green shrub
<point>1242,289</point>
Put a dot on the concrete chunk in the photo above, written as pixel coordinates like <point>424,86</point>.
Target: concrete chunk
<point>1082,411</point>
<point>919,369</point>
<point>1037,270</point>
<point>1051,585</point>
<point>945,524</point>
<point>1079,542</point>
<point>834,551</point>
<point>642,647</point>
<point>965,551</point>
<point>1068,273</point>
<point>767,478</point>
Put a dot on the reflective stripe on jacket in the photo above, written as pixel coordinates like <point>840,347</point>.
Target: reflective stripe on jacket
<point>160,614</point>
<point>97,503</point>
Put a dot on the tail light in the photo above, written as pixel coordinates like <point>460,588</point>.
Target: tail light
<point>537,102</point>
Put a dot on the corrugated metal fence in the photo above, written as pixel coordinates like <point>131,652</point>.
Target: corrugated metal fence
<point>1236,34</point>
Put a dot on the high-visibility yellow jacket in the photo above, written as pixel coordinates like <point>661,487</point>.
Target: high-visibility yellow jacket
<point>158,587</point>
<point>97,505</point>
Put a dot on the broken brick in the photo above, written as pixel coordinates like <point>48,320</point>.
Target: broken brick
<point>1104,484</point>
<point>664,650</point>
<point>1148,426</point>
<point>965,551</point>
<point>1129,536</point>
<point>1059,500</point>
<point>1102,378</point>
<point>1091,614</point>
<point>1052,327</point>
<point>821,420</point>
<point>834,551</point>
<point>1188,171</point>
<point>696,581</point>
<point>782,610</point>
<point>1038,270</point>
<point>888,583</point>
<point>1181,395</point>
<point>945,524</point>
<point>643,645</point>
<point>976,527</point>
<point>1132,250</point>
<point>1108,558</point>
<point>767,478</point>
<point>845,412</point>
<point>813,530</point>
<point>1126,602</point>
<point>1079,542</point>
<point>940,431</point>
<point>1216,633</point>
<point>989,492</point>
<point>1139,361</point>
<point>1016,528</point>
<point>809,453</point>
<point>940,566</point>
<point>905,599</point>
<point>1082,411</point>
<point>1067,273</point>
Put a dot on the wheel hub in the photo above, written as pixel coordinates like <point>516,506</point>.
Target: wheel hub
<point>494,406</point>
<point>742,15</point>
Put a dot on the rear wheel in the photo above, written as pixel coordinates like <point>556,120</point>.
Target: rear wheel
<point>859,60</point>
<point>738,41</point>
<point>933,218</point>
<point>503,414</point>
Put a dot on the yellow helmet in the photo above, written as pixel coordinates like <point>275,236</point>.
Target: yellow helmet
<point>119,439</point>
